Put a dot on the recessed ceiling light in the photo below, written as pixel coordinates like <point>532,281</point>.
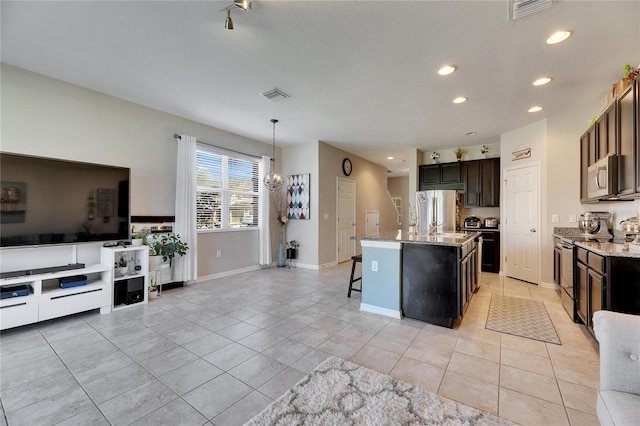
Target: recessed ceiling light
<point>535,108</point>
<point>559,36</point>
<point>459,100</point>
<point>471,134</point>
<point>389,158</point>
<point>446,70</point>
<point>542,81</point>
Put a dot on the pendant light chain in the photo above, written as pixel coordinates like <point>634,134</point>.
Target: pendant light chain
<point>273,181</point>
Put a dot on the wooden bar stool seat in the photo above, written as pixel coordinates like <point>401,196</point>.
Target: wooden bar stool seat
<point>354,259</point>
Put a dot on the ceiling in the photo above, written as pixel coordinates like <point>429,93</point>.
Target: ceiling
<point>362,76</point>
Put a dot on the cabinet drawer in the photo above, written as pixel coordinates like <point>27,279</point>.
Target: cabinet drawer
<point>582,255</point>
<point>17,311</point>
<point>596,262</point>
<point>60,302</point>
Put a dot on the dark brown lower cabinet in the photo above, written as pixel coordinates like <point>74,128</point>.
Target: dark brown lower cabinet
<point>490,251</point>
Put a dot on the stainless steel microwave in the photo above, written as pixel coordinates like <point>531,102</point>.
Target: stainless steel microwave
<point>602,178</point>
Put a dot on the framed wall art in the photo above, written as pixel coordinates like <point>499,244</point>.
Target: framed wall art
<point>298,196</point>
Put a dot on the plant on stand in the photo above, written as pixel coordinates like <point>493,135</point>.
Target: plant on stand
<point>166,247</point>
<point>292,252</point>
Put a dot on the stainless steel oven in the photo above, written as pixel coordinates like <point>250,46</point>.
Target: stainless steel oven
<point>567,295</point>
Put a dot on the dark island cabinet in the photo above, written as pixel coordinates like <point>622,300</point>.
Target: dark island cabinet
<point>490,251</point>
<point>440,176</point>
<point>482,183</point>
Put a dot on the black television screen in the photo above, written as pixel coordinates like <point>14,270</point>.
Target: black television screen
<point>51,201</point>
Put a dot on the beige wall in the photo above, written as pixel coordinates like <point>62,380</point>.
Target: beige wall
<point>49,118</point>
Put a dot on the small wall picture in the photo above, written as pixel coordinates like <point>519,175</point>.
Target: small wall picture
<point>13,202</point>
<point>105,202</point>
<point>298,196</point>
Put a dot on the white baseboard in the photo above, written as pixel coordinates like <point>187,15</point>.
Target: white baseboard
<point>551,286</point>
<point>228,273</point>
<point>381,311</point>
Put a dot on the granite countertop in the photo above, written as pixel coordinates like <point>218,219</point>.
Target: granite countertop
<point>444,239</point>
<point>611,249</point>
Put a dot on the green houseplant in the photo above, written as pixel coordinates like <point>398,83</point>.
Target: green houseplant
<point>167,246</point>
<point>458,152</point>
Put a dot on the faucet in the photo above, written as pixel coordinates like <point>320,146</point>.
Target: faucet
<point>433,228</point>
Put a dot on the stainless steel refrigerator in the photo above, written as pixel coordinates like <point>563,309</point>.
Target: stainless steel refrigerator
<point>436,210</point>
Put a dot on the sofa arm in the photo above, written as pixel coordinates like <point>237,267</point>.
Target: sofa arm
<point>619,337</point>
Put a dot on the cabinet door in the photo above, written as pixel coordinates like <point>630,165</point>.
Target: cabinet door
<point>626,143</point>
<point>593,144</point>
<point>450,173</point>
<point>584,164</point>
<point>472,183</point>
<point>582,292</point>
<point>464,275</point>
<point>606,133</point>
<point>490,183</point>
<point>596,294</point>
<point>430,175</point>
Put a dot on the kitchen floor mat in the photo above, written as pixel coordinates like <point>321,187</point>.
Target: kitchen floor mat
<point>521,317</point>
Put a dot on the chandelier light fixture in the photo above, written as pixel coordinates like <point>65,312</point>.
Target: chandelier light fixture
<point>242,5</point>
<point>273,181</point>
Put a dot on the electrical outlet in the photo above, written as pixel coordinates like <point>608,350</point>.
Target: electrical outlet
<point>572,218</point>
<point>374,265</point>
<point>326,216</point>
<point>219,253</point>
<point>555,218</point>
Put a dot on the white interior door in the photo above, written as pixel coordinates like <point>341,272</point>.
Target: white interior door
<point>372,227</point>
<point>522,242</point>
<point>346,217</point>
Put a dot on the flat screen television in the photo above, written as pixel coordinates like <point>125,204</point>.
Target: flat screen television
<point>51,201</point>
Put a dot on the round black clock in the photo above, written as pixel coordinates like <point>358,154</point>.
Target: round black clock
<point>347,166</point>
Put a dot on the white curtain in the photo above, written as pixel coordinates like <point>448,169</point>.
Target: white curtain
<point>186,267</point>
<point>263,218</point>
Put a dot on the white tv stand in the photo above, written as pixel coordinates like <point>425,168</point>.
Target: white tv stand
<point>46,300</point>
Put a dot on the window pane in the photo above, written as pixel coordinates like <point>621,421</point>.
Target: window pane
<point>209,172</point>
<point>243,175</point>
<point>243,211</point>
<point>208,210</point>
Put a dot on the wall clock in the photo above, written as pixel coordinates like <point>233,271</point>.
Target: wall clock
<point>346,167</point>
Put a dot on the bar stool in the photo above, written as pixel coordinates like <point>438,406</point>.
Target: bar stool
<point>352,280</point>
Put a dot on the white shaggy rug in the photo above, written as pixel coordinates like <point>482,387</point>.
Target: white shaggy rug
<point>339,392</point>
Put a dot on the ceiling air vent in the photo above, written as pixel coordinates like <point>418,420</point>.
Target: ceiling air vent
<point>520,8</point>
<point>275,95</point>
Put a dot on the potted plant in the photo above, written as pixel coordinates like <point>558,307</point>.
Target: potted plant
<point>137,239</point>
<point>458,152</point>
<point>292,249</point>
<point>123,264</point>
<point>167,247</point>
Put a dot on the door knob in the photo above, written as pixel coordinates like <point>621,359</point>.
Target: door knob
<point>532,230</point>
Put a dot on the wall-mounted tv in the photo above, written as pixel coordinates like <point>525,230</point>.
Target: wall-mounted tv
<point>51,201</point>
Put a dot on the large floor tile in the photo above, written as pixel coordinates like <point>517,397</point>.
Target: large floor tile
<point>534,384</point>
<point>529,410</point>
<point>243,410</point>
<point>217,395</point>
<point>578,397</point>
<point>190,376</point>
<point>116,383</point>
<point>418,373</point>
<point>477,368</point>
<point>282,382</point>
<point>51,410</point>
<point>376,359</point>
<point>41,387</point>
<point>470,391</point>
<point>287,351</point>
<point>257,370</point>
<point>176,412</point>
<point>230,356</point>
<point>137,403</point>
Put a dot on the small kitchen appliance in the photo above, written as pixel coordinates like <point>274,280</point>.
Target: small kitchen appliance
<point>595,225</point>
<point>491,222</point>
<point>472,222</point>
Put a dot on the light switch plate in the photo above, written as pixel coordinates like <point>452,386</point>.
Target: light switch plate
<point>326,216</point>
<point>572,218</point>
<point>555,218</point>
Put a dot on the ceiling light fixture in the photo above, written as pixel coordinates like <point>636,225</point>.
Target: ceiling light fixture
<point>558,37</point>
<point>471,134</point>
<point>242,5</point>
<point>542,81</point>
<point>535,109</point>
<point>459,100</point>
<point>273,181</point>
<point>446,70</point>
<point>389,158</point>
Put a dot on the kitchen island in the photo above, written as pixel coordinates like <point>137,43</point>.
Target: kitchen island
<point>426,277</point>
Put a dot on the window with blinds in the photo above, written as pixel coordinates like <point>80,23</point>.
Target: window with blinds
<point>227,196</point>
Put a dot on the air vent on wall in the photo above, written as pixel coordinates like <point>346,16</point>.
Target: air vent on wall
<point>275,95</point>
<point>520,8</point>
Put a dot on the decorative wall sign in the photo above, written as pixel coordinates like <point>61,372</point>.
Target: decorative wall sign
<point>298,196</point>
<point>105,202</point>
<point>13,202</point>
<point>519,155</point>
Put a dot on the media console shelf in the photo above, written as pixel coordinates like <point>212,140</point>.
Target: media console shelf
<point>46,300</point>
<point>129,284</point>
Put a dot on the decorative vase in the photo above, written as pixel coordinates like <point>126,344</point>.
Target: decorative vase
<point>281,259</point>
<point>434,161</point>
<point>155,262</point>
<point>484,155</point>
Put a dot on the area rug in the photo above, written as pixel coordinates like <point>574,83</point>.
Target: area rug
<point>339,392</point>
<point>521,317</point>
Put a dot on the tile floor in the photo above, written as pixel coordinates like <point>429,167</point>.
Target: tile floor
<point>221,351</point>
